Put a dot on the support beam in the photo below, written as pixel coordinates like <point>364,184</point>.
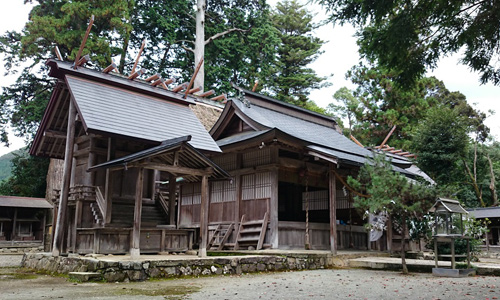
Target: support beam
<point>135,250</point>
<point>273,210</point>
<point>108,184</point>
<point>333,213</point>
<point>171,198</point>
<point>63,200</point>
<point>174,169</point>
<point>204,217</point>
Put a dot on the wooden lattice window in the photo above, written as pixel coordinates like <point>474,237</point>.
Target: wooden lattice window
<point>257,158</point>
<point>256,186</point>
<point>24,229</point>
<point>227,162</point>
<point>222,191</point>
<point>191,194</point>
<point>318,200</point>
<point>342,200</point>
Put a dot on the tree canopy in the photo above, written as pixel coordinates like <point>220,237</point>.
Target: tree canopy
<point>294,80</point>
<point>411,36</point>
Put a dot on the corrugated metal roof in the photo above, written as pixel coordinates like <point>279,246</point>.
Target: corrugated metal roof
<point>485,212</point>
<point>189,157</point>
<point>114,110</point>
<point>14,201</point>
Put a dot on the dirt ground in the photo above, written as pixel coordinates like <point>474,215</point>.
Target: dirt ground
<point>319,284</point>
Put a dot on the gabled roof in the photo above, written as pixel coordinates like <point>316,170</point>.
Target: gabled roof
<point>28,202</point>
<point>484,212</point>
<point>449,205</point>
<point>317,132</point>
<point>174,152</point>
<point>115,106</point>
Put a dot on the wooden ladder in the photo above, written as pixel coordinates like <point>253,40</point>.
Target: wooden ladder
<point>252,233</point>
<point>220,236</point>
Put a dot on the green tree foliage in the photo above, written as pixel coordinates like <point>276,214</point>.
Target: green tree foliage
<point>441,142</point>
<point>54,23</point>
<point>294,80</point>
<point>391,192</point>
<point>378,104</point>
<point>28,177</point>
<point>347,107</point>
<point>410,36</point>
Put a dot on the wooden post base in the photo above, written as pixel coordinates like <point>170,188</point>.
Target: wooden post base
<point>135,252</point>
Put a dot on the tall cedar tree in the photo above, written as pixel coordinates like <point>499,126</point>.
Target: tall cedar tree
<point>294,80</point>
<point>388,191</point>
<point>411,36</point>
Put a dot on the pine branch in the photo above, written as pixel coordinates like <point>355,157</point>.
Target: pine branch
<point>221,34</point>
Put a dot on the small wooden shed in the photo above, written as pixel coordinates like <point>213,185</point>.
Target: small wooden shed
<point>23,220</point>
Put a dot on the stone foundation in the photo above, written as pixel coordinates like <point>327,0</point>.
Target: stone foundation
<point>21,250</point>
<point>116,268</point>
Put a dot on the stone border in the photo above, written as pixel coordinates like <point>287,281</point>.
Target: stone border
<point>116,269</point>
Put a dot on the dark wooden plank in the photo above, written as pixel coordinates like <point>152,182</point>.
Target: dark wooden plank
<point>171,198</point>
<point>273,210</point>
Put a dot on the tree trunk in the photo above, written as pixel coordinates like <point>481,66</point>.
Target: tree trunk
<point>494,195</point>
<point>403,244</point>
<point>199,47</point>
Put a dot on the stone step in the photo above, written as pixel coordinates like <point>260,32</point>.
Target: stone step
<point>85,276</point>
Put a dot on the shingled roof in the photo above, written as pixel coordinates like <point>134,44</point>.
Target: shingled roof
<point>319,134</point>
<point>115,106</point>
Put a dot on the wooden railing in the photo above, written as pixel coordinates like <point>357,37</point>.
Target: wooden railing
<point>163,202</point>
<point>101,202</point>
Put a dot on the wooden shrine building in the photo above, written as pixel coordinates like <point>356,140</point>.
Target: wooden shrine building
<point>142,174</point>
<point>125,144</point>
<point>289,168</point>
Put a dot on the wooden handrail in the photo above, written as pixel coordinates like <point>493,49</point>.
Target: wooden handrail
<point>100,201</point>
<point>163,202</point>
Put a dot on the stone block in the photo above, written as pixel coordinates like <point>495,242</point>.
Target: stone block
<point>85,276</point>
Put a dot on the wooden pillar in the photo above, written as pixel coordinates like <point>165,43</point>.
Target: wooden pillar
<point>333,213</point>
<point>63,200</point>
<point>14,225</point>
<point>171,198</point>
<point>108,185</point>
<point>389,234</point>
<point>273,210</point>
<point>135,251</point>
<point>204,216</point>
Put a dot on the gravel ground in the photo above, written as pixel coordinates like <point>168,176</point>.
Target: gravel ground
<point>319,284</point>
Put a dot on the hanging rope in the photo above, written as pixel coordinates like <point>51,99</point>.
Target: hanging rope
<point>348,186</point>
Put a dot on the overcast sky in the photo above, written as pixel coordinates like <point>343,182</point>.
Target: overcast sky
<point>341,53</point>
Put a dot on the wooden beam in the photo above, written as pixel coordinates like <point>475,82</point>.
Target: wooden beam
<point>172,184</point>
<point>55,134</point>
<point>255,85</point>
<point>138,56</point>
<point>192,91</point>
<point>204,217</point>
<point>135,250</point>
<point>82,45</point>
<point>108,183</point>
<point>169,81</point>
<point>194,76</point>
<point>388,136</point>
<point>157,82</point>
<point>109,68</point>
<point>83,60</point>
<point>173,169</point>
<point>136,74</point>
<point>219,98</point>
<point>206,94</point>
<point>151,78</point>
<point>58,53</point>
<point>273,210</point>
<point>332,188</point>
<point>356,140</point>
<point>63,201</point>
<point>180,87</point>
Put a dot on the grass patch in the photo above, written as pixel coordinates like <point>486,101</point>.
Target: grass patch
<point>16,273</point>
